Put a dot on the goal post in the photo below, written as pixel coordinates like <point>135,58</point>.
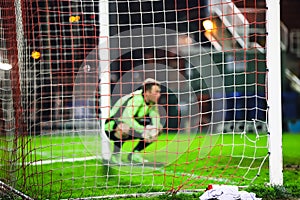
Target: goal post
<point>274,92</point>
<point>65,64</point>
<point>104,69</point>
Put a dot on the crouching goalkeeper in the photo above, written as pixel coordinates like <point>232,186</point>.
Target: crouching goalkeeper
<point>135,116</point>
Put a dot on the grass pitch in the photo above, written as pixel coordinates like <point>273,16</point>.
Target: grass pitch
<point>70,166</point>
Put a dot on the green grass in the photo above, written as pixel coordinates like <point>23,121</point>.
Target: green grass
<point>291,149</point>
<point>291,172</point>
<point>190,162</point>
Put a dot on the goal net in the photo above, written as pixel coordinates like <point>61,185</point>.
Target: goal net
<point>65,64</point>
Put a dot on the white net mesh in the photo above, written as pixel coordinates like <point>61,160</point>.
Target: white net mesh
<point>76,59</point>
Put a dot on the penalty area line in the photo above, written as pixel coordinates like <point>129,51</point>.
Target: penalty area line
<point>47,162</point>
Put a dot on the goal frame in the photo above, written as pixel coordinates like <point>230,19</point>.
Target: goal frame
<point>273,55</point>
<point>273,62</point>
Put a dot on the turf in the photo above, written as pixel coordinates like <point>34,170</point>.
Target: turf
<point>69,166</point>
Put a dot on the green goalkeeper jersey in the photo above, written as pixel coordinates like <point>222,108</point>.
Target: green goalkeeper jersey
<point>132,109</point>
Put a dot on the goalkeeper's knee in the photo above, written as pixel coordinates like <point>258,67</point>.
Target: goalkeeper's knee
<point>122,131</point>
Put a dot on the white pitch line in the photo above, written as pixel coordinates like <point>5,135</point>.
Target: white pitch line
<point>46,162</point>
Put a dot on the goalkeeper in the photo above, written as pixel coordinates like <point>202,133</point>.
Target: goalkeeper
<point>135,116</point>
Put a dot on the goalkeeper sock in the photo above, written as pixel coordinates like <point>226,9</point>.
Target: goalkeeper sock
<point>141,146</point>
<point>136,157</point>
<point>117,146</point>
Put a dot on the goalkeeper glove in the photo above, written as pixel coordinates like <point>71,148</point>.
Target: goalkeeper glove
<point>150,133</point>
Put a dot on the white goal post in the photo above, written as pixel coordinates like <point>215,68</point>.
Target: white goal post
<point>274,92</point>
<point>104,69</point>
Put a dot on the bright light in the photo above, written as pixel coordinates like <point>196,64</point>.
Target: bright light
<point>5,66</point>
<point>208,25</point>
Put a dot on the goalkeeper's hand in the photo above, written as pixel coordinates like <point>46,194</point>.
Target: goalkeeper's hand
<point>150,133</point>
<point>122,131</point>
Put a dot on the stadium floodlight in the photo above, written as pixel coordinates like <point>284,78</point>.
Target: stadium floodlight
<point>5,66</point>
<point>208,25</point>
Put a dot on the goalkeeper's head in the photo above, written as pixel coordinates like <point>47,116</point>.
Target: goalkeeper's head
<point>151,90</point>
